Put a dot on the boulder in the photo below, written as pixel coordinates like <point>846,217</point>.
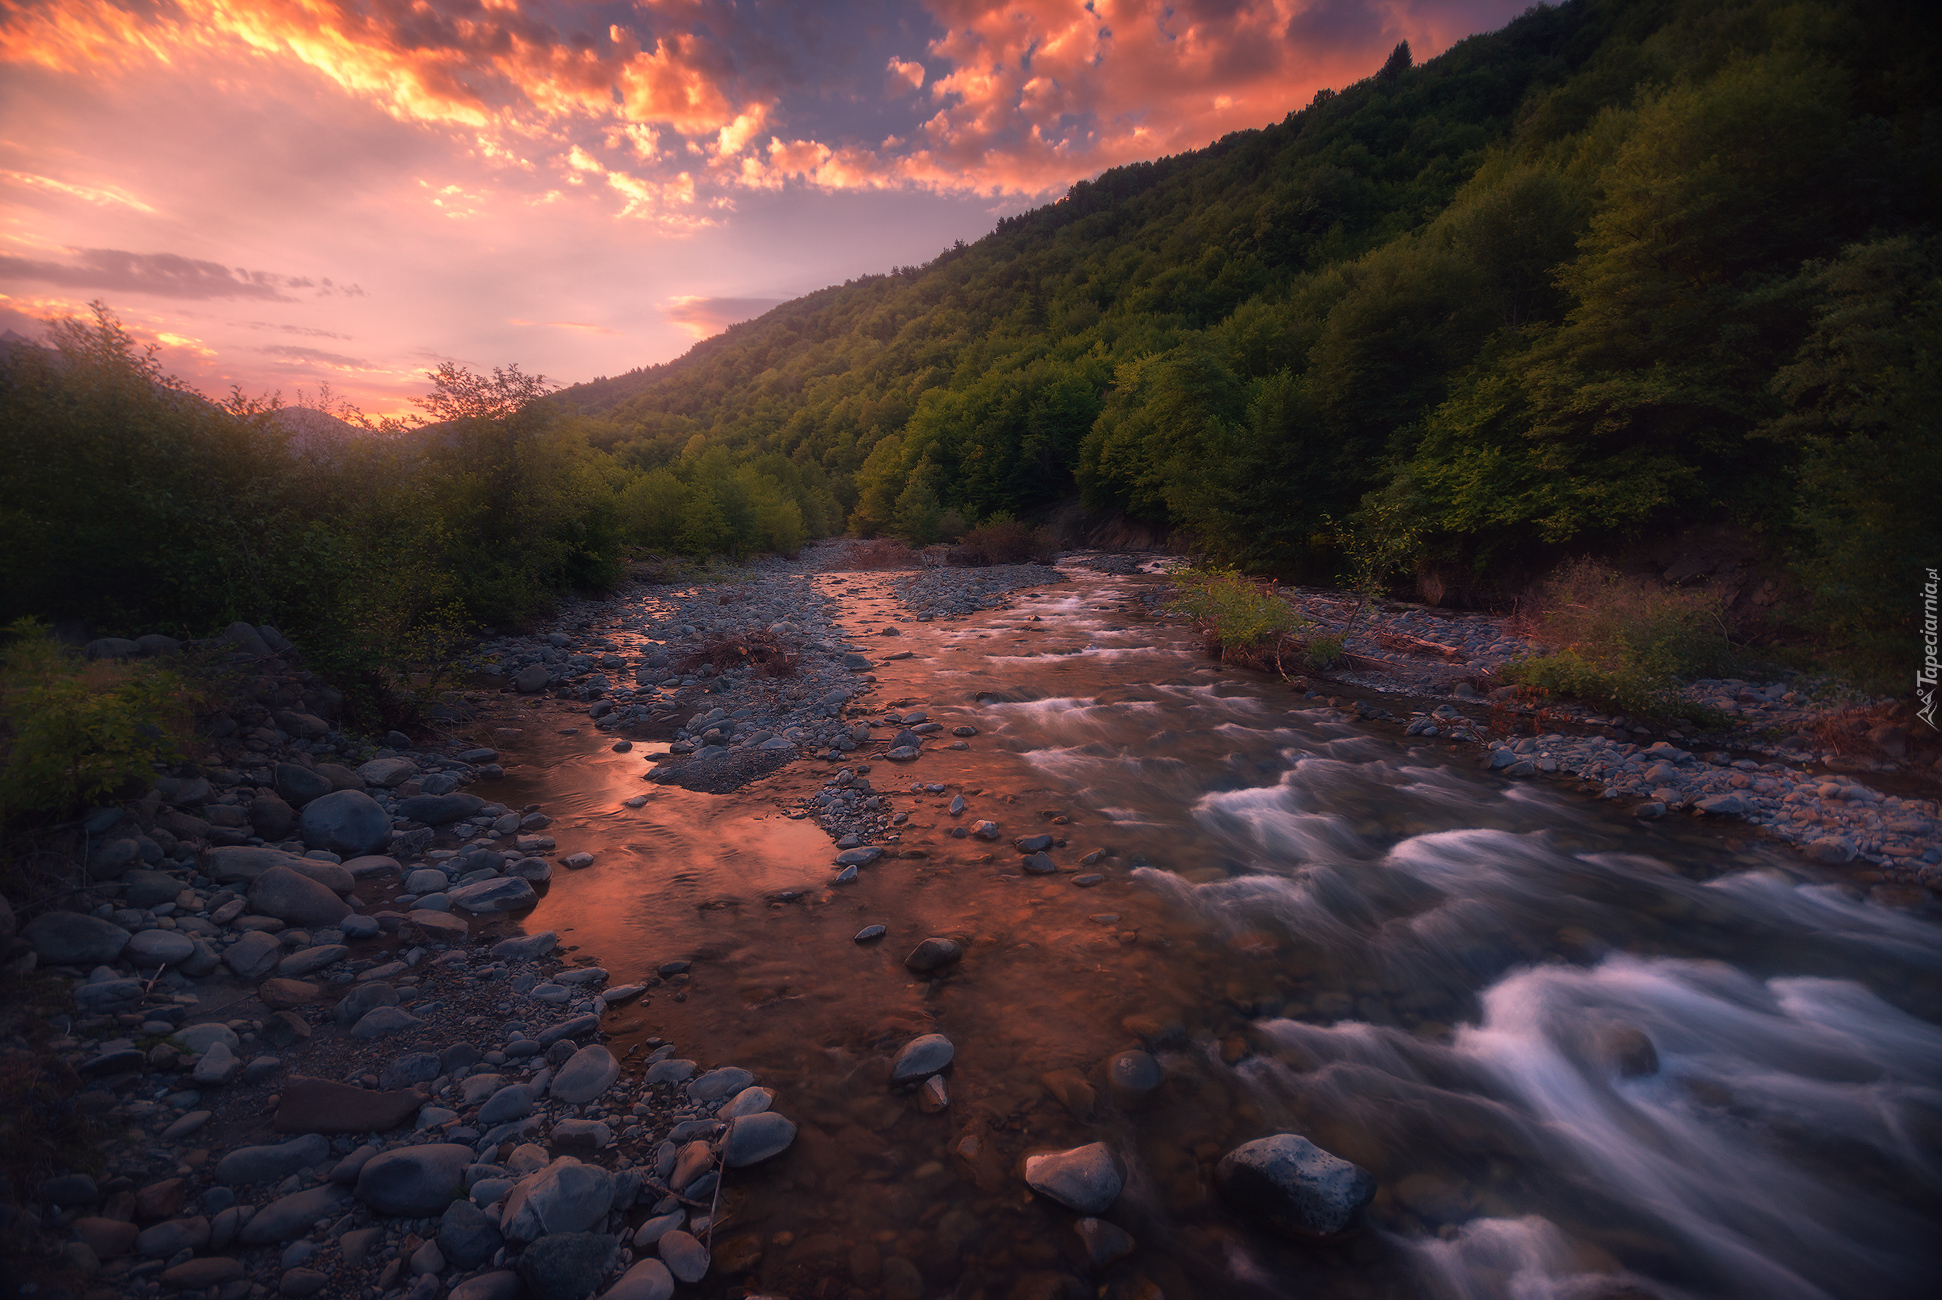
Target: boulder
<point>1292,1187</point>
<point>339,776</point>
<point>413,1182</point>
<point>685,1257</point>
<point>587,1074</point>
<point>412,1067</point>
<point>1086,1179</point>
<point>755,1138</point>
<point>74,939</point>
<point>720,1083</point>
<point>921,1058</point>
<point>514,1101</point>
<point>749,1101</point>
<point>314,958</point>
<point>271,817</point>
<point>282,994</point>
<point>253,956</point>
<point>566,1266</point>
<point>504,894</point>
<point>301,785</point>
<point>388,772</point>
<point>262,1163</point>
<point>349,823</point>
<point>566,1196</point>
<point>530,680</point>
<point>143,888</point>
<point>466,1236</point>
<point>293,1216</point>
<point>291,896</point>
<point>325,1106</point>
<point>152,948</point>
<point>439,927</point>
<point>525,947</point>
<point>362,1000</point>
<point>934,954</point>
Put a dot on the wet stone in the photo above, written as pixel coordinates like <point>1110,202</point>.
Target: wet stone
<point>567,1265</point>
<point>934,954</point>
<point>921,1058</point>
<point>1293,1187</point>
<point>685,1257</point>
<point>1086,1179</point>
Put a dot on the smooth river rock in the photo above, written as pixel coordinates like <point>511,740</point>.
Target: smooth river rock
<point>413,1182</point>
<point>1292,1187</point>
<point>1086,1179</point>
<point>349,823</point>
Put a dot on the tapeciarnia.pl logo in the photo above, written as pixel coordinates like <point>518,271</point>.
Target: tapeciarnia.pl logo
<point>1925,676</point>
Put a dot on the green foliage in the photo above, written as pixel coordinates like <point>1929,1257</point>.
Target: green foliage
<point>79,733</point>
<point>1324,653</point>
<point>1860,401</point>
<point>1235,612</point>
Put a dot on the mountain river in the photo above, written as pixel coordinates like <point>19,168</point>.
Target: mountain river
<point>1585,1057</point>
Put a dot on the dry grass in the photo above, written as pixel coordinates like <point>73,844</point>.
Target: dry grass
<point>756,648</point>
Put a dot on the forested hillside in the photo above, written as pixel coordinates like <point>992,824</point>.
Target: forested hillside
<point>1624,265</point>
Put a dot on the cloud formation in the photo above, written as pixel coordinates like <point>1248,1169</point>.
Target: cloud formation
<point>511,176</point>
<point>1018,96</point>
<point>159,275</point>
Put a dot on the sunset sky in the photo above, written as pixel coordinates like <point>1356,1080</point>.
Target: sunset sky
<point>289,192</point>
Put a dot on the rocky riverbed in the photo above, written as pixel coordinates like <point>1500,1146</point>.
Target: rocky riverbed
<point>320,1056</point>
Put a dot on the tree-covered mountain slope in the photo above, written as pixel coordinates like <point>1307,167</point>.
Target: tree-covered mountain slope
<point>1622,265</point>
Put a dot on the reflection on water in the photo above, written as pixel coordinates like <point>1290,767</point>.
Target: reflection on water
<point>1585,1057</point>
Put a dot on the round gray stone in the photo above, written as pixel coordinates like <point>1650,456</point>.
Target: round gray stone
<point>588,1073</point>
<point>1086,1179</point>
<point>921,1058</point>
<point>1293,1187</point>
<point>414,1182</point>
<point>349,823</point>
<point>755,1138</point>
<point>158,948</point>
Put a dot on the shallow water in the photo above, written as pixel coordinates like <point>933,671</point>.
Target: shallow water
<point>1427,969</point>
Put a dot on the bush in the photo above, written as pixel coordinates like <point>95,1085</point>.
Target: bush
<point>1630,624</point>
<point>1240,621</point>
<point>1626,644</point>
<point>81,733</point>
<point>880,553</point>
<point>1325,652</point>
<point>1004,541</point>
<point>757,649</point>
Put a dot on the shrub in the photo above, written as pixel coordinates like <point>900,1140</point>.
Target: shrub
<point>1240,620</point>
<point>1635,627</point>
<point>880,553</point>
<point>1626,644</point>
<point>80,733</point>
<point>1004,541</point>
<point>1325,652</point>
<point>758,649</point>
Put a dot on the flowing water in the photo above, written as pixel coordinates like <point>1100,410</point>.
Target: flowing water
<point>1586,1057</point>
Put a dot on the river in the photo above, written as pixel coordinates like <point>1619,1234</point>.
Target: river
<point>1586,1057</point>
